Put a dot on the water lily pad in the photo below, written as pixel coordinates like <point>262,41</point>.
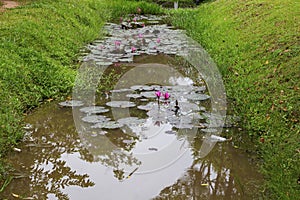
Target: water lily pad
<point>108,125</point>
<point>131,121</point>
<point>148,94</point>
<point>149,106</point>
<point>95,119</point>
<point>120,104</point>
<point>94,110</point>
<point>71,103</point>
<point>182,88</point>
<point>142,87</point>
<point>135,96</point>
<point>160,114</point>
<point>197,97</point>
<point>126,59</point>
<point>187,107</point>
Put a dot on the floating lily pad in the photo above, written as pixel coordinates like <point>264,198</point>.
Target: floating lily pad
<point>120,104</point>
<point>142,87</point>
<point>95,119</point>
<point>160,114</point>
<point>94,110</point>
<point>71,103</point>
<point>135,96</point>
<point>108,125</point>
<point>187,107</point>
<point>131,121</point>
<point>149,106</point>
<point>197,97</point>
<point>126,59</point>
<point>148,94</point>
<point>182,88</point>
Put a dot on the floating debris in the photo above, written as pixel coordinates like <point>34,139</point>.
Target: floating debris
<point>217,138</point>
<point>152,149</point>
<point>171,132</point>
<point>17,149</point>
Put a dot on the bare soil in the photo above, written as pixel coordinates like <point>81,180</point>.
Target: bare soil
<point>8,4</point>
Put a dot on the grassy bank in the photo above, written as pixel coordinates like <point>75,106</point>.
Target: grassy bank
<point>256,45</point>
<point>39,45</point>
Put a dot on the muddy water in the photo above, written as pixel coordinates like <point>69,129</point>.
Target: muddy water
<point>136,146</point>
<point>54,164</point>
<point>58,162</point>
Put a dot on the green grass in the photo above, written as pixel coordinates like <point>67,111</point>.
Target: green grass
<point>256,45</point>
<point>39,46</point>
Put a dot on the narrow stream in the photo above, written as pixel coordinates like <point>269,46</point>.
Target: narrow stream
<point>141,125</point>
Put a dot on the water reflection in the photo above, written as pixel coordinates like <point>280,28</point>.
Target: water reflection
<point>54,164</point>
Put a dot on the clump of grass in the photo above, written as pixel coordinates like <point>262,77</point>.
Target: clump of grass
<point>256,46</point>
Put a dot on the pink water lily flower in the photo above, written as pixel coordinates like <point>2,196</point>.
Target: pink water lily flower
<point>117,43</point>
<point>158,94</point>
<point>140,35</point>
<point>134,19</point>
<point>158,40</point>
<point>167,96</point>
<point>133,49</point>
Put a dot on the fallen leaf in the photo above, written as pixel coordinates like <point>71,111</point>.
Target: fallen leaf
<point>15,195</point>
<point>204,184</point>
<point>17,149</point>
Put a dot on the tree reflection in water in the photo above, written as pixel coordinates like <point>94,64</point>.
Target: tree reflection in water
<point>44,160</point>
<point>216,177</point>
<point>41,162</point>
